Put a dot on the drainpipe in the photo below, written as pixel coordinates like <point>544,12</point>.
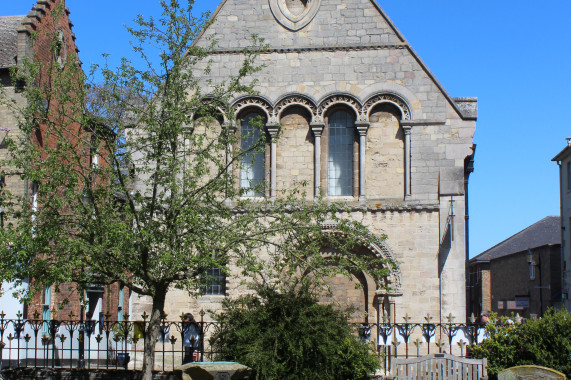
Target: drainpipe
<point>468,169</point>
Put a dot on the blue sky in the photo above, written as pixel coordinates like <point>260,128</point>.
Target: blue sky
<point>514,55</point>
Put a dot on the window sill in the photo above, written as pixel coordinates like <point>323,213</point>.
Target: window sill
<point>342,198</point>
<point>211,298</point>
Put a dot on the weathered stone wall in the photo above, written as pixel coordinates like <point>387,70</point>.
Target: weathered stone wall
<point>8,120</point>
<point>337,22</point>
<point>385,156</point>
<point>295,154</point>
<point>347,55</point>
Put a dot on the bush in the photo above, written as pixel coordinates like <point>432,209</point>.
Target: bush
<point>290,335</point>
<point>544,342</point>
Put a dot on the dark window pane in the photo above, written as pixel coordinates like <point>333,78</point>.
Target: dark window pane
<point>340,173</point>
<point>253,163</point>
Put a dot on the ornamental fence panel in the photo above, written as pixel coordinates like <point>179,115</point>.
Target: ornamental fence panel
<point>106,344</point>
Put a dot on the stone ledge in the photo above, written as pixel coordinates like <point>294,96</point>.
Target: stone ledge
<point>315,48</point>
<point>213,371</point>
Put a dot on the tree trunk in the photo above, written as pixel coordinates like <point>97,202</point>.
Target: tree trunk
<point>152,333</point>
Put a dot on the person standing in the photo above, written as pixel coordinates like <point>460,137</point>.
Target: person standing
<point>190,338</point>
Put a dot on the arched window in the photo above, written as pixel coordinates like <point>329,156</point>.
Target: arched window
<point>340,161</point>
<point>252,172</point>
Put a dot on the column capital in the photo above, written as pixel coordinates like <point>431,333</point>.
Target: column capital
<point>407,129</point>
<point>317,128</point>
<point>230,126</point>
<point>362,127</point>
<point>273,129</point>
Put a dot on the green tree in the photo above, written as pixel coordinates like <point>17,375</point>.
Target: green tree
<point>544,341</point>
<point>288,335</point>
<point>132,181</point>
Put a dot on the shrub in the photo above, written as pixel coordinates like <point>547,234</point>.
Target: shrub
<point>289,335</point>
<point>544,341</point>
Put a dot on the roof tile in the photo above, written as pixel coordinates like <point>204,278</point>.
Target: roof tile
<point>546,231</point>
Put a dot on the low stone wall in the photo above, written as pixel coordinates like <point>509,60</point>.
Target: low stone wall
<point>92,374</point>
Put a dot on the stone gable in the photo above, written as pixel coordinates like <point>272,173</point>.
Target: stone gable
<point>336,23</point>
<point>410,147</point>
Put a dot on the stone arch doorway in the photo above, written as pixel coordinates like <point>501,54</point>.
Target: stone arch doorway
<point>367,300</point>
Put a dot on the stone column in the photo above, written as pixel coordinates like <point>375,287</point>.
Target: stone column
<point>273,131</point>
<point>407,129</point>
<point>231,129</point>
<point>362,128</point>
<point>317,129</point>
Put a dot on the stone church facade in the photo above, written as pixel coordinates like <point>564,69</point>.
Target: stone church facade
<point>359,117</point>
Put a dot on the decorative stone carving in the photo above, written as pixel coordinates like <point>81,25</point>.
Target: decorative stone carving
<point>338,99</point>
<point>295,100</point>
<point>379,248</point>
<point>294,14</point>
<point>384,98</point>
<point>220,107</point>
<point>256,102</point>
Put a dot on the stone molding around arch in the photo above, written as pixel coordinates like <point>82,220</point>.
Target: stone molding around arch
<point>294,100</point>
<point>386,98</point>
<point>254,102</point>
<point>319,109</point>
<point>336,99</point>
<point>381,249</point>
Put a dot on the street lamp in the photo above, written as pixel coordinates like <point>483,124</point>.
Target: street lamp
<point>532,266</point>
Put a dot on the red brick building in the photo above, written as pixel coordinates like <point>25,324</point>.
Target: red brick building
<point>45,36</point>
<point>522,274</point>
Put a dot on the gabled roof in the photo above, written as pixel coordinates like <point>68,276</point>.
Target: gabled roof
<point>9,39</point>
<point>563,154</point>
<point>545,232</point>
<point>466,108</point>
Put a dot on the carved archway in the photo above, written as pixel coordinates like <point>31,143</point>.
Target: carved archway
<point>385,98</point>
<point>336,99</point>
<point>294,100</point>
<point>381,249</point>
<point>257,102</point>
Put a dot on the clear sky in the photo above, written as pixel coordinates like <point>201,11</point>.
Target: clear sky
<point>514,55</point>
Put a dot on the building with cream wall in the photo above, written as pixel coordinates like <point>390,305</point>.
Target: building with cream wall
<point>563,159</point>
<point>410,154</point>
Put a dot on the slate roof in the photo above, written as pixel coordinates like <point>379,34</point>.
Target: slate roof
<point>9,39</point>
<point>545,232</point>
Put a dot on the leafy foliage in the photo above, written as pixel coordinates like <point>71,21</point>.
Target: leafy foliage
<point>289,335</point>
<point>134,179</point>
<point>544,341</point>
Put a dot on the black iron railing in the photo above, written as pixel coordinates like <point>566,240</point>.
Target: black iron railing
<point>107,344</point>
<point>96,343</point>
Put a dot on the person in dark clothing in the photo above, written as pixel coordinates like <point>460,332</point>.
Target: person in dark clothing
<point>190,338</point>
